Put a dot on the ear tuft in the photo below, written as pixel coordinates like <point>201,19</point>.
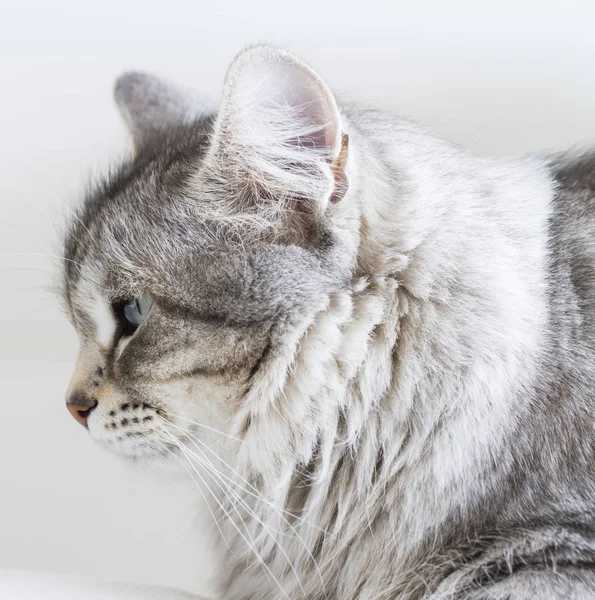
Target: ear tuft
<point>280,127</point>
<point>151,106</point>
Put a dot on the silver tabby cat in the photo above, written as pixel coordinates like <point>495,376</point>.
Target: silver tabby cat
<point>372,351</point>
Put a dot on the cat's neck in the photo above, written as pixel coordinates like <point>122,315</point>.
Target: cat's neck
<point>448,296</point>
<point>405,388</point>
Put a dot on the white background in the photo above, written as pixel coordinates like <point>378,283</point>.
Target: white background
<point>499,77</point>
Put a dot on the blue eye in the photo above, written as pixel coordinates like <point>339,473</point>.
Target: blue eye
<point>135,311</point>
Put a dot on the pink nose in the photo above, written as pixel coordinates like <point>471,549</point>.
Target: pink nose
<point>80,407</point>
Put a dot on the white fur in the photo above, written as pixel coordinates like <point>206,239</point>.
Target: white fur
<point>454,260</point>
<point>105,321</point>
<point>417,362</point>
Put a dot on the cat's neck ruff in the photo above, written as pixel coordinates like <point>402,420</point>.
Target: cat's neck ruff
<point>401,390</point>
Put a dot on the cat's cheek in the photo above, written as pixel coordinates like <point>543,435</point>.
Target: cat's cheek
<point>161,425</point>
<point>199,412</point>
<point>196,408</point>
<point>123,423</point>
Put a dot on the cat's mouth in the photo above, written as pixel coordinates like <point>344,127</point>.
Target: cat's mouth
<point>142,434</point>
<point>131,429</point>
<point>155,450</point>
<point>150,448</point>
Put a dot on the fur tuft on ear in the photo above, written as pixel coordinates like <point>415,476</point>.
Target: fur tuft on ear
<point>279,129</point>
<point>151,106</point>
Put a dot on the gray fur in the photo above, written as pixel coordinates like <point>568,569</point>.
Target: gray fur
<point>151,106</point>
<point>406,373</point>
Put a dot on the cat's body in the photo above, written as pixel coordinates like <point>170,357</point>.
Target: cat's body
<point>397,335</point>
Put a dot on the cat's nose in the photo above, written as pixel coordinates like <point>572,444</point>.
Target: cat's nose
<point>81,406</point>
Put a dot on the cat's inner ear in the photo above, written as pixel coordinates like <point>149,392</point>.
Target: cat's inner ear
<point>280,128</point>
<point>152,106</point>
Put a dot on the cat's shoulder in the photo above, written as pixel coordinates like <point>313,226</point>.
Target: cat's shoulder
<point>574,173</point>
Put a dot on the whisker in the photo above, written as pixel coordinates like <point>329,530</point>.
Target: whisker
<point>199,489</point>
<point>233,523</point>
<point>54,256</point>
<point>73,213</point>
<point>208,469</point>
<point>24,268</point>
<point>76,238</point>
<point>40,299</point>
<point>256,494</point>
<point>258,497</point>
<point>203,426</point>
<point>251,512</point>
<point>45,254</point>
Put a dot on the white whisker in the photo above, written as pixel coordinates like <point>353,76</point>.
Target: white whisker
<point>73,213</point>
<point>200,490</point>
<point>255,494</point>
<point>203,426</point>
<point>250,511</point>
<point>233,523</point>
<point>53,256</point>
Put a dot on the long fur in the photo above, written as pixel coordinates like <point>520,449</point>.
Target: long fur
<point>383,397</point>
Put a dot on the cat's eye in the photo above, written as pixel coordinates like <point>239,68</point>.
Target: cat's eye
<point>133,312</point>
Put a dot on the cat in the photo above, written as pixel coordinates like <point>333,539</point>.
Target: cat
<point>371,351</point>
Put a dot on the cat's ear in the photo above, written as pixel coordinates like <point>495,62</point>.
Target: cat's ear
<point>280,129</point>
<point>151,106</point>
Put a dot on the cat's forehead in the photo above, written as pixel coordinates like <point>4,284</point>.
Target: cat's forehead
<point>123,248</point>
<point>154,226</point>
<point>143,204</point>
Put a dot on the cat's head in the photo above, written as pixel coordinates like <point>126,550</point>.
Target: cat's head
<point>193,271</point>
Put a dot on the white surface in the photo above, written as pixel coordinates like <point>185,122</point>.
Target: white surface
<point>20,585</point>
<point>508,77</point>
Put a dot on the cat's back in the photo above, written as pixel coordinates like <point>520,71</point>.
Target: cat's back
<point>556,437</point>
<point>572,243</point>
<point>575,173</point>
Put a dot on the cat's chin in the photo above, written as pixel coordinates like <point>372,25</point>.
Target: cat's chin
<point>161,463</point>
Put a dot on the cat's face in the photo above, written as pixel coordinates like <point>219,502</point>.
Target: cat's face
<point>203,258</point>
